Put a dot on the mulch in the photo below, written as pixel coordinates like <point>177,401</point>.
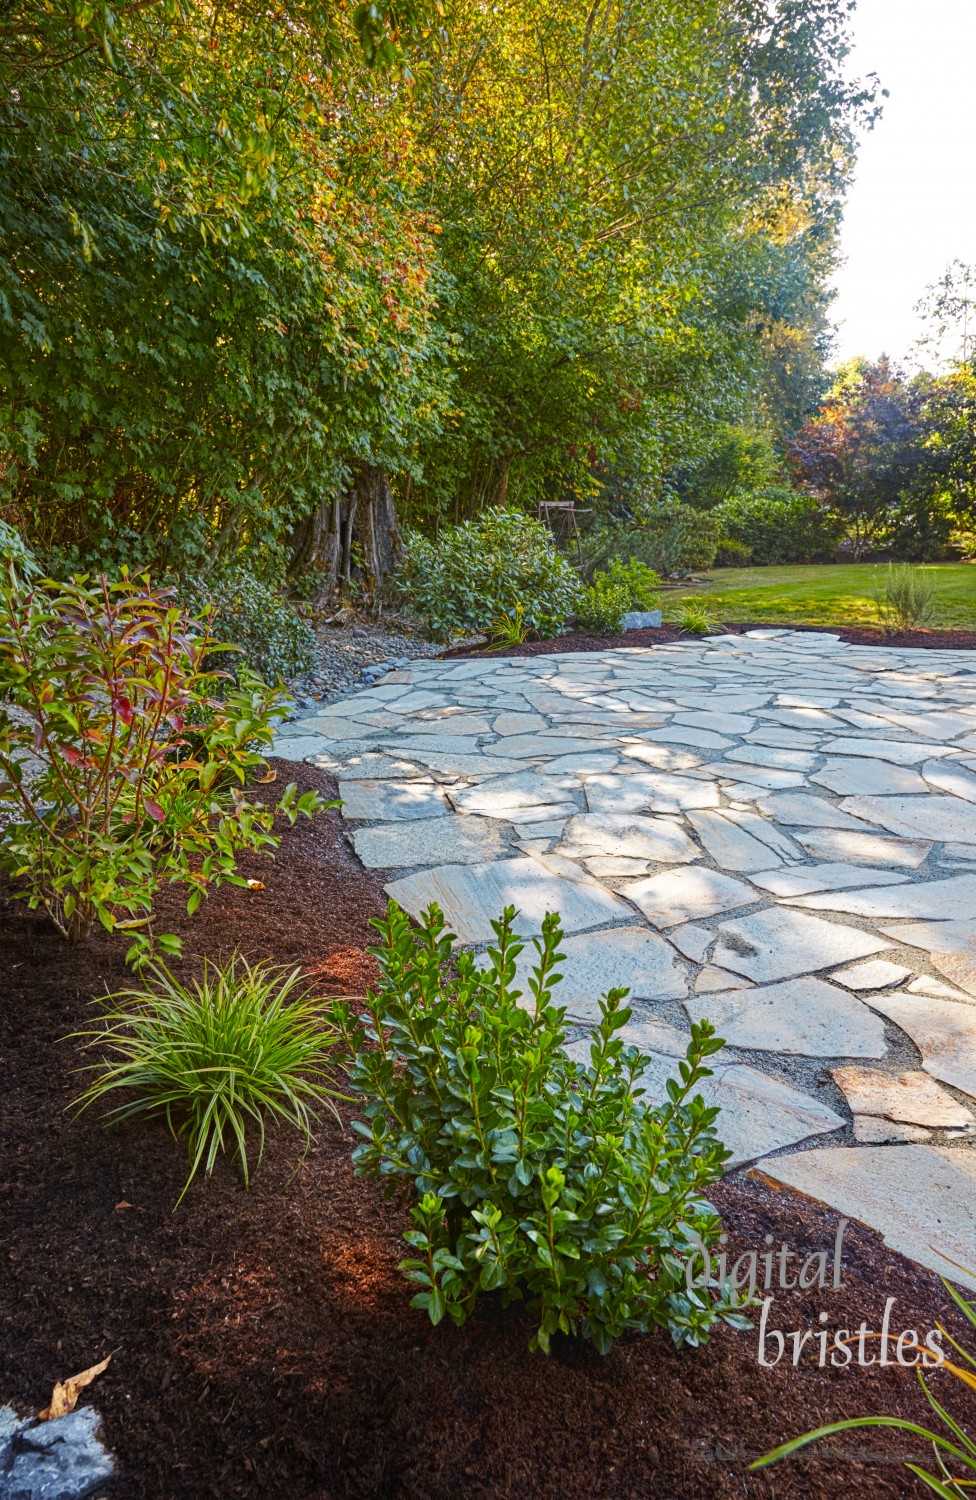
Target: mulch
<point>262,1342</point>
<point>936,640</point>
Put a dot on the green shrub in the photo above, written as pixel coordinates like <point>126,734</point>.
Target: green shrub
<point>214,1057</point>
<point>549,1181</point>
<point>623,587</point>
<point>17,561</point>
<point>601,607</point>
<point>904,598</point>
<point>476,572</point>
<point>665,535</point>
<point>778,525</point>
<point>733,554</point>
<point>270,638</point>
<point>120,768</point>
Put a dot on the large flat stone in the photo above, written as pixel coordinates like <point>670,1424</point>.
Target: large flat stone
<point>472,896</point>
<point>729,844</point>
<point>932,817</point>
<point>802,879</point>
<point>921,1199</point>
<point>852,847</point>
<point>458,841</point>
<point>802,809</point>
<point>648,791</point>
<point>382,800</point>
<point>760,1113</point>
<point>950,899</point>
<point>951,778</point>
<point>662,840</point>
<point>900,752</point>
<point>872,974</point>
<point>807,1017</point>
<point>912,1097</point>
<point>944,1031</point>
<point>779,944</point>
<point>854,777</point>
<point>685,895</point>
<point>630,958</point>
<point>951,947</point>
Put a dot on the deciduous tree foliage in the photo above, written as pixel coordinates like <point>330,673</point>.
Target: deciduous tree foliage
<point>246,274</point>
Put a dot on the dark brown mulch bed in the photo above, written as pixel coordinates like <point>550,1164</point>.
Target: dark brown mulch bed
<point>940,640</point>
<point>262,1342</point>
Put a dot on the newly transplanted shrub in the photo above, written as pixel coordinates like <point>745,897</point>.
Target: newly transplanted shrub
<point>269,637</point>
<point>475,573</point>
<point>550,1181</point>
<point>614,592</point>
<point>215,1057</point>
<point>904,599</point>
<point>119,766</point>
<point>956,1460</point>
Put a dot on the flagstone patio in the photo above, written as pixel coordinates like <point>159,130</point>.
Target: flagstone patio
<point>776,831</point>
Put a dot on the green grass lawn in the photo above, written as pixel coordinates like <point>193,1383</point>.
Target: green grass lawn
<point>824,594</point>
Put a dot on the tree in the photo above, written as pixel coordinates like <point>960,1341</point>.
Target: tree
<point>861,453</point>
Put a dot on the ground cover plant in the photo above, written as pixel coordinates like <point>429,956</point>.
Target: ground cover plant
<point>122,769</point>
<point>547,1180</point>
<point>833,594</point>
<point>214,1057</point>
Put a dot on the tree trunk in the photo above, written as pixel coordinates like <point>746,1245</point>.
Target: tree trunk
<point>354,540</point>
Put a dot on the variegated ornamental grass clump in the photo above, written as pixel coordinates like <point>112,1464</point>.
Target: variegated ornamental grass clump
<point>549,1181</point>
<point>120,768</point>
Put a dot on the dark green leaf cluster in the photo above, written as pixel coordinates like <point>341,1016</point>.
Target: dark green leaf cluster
<point>475,573</point>
<point>550,1181</point>
<point>623,587</point>
<point>779,525</point>
<point>270,637</point>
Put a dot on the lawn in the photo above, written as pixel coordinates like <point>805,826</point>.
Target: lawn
<point>825,594</point>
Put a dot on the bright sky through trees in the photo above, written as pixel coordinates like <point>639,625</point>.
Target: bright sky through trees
<point>911,209</point>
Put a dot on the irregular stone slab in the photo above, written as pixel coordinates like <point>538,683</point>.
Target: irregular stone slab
<point>778,943</point>
<point>712,978</point>
<point>721,723</point>
<point>931,817</point>
<point>664,757</point>
<point>768,778</point>
<point>806,810</point>
<point>617,867</point>
<point>879,778</point>
<point>785,760</point>
<point>731,847</point>
<point>760,1113</point>
<point>806,1017</point>
<point>683,734</point>
<point>61,1459</point>
<point>944,1031</point>
<point>630,958</point>
<point>628,834</point>
<point>648,791</point>
<point>683,895</point>
<point>472,896</point>
<point>830,877</point>
<point>856,848</point>
<point>784,739</point>
<point>874,974</point>
<point>921,1199</point>
<point>368,767</point>
<point>901,752</point>
<point>461,841</point>
<point>691,940</point>
<point>952,898</point>
<point>518,723</point>
<point>504,795</point>
<point>951,947</point>
<point>765,831</point>
<point>642,619</point>
<point>913,1098</point>
<point>385,801</point>
<point>950,778</point>
<point>870,1130</point>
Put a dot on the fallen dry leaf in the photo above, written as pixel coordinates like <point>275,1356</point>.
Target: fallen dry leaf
<point>65,1395</point>
<point>265,780</point>
<point>255,885</point>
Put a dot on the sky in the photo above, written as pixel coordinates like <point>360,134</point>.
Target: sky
<point>911,209</point>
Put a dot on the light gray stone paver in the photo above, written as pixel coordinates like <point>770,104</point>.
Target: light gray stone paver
<point>734,828</point>
<point>806,1017</point>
